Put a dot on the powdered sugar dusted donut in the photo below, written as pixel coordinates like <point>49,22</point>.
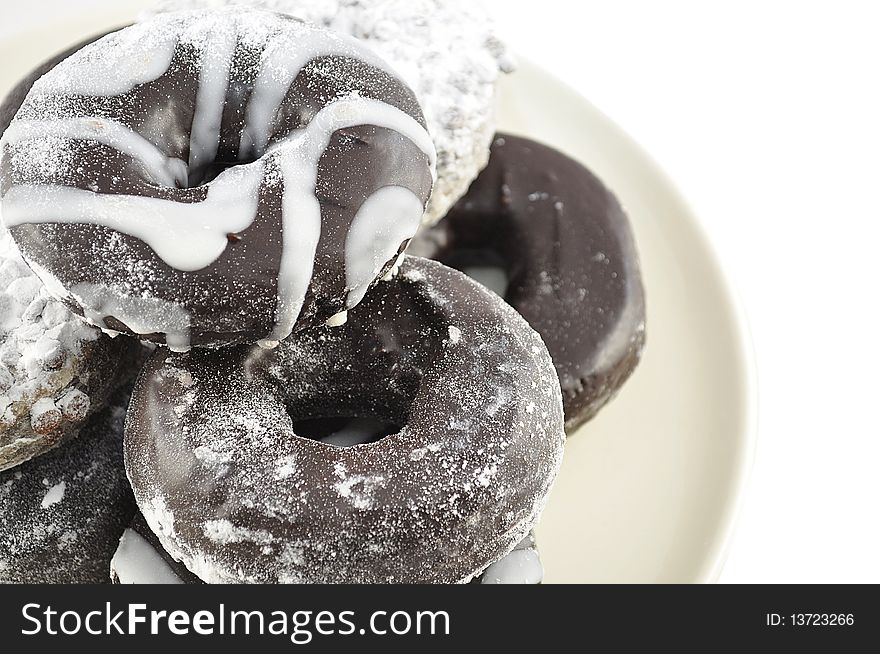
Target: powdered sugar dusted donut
<point>55,370</point>
<point>447,51</point>
<point>61,514</point>
<point>141,559</point>
<point>232,491</point>
<point>228,176</point>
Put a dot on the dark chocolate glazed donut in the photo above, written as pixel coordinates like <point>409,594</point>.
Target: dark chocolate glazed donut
<point>234,493</point>
<point>568,252</point>
<point>229,176</point>
<point>62,513</point>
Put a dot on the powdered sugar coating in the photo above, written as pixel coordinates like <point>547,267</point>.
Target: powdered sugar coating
<point>446,50</point>
<point>233,493</point>
<point>55,370</point>
<point>62,513</point>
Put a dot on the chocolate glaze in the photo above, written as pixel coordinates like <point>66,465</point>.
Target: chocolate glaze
<point>233,299</point>
<point>234,493</point>
<point>569,254</point>
<point>62,513</point>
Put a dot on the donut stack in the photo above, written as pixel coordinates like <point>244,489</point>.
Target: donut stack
<point>236,188</point>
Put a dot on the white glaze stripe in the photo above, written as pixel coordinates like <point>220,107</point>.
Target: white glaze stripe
<point>161,169</point>
<point>186,236</point>
<point>299,166</point>
<point>142,315</point>
<point>386,219</point>
<point>123,61</point>
<point>211,98</point>
<point>279,68</point>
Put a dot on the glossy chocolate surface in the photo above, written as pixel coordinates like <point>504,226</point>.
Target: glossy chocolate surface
<point>567,248</point>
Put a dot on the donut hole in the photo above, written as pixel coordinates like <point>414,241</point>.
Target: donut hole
<point>484,266</point>
<point>361,414</point>
<point>345,431</point>
<point>358,383</point>
<point>203,175</point>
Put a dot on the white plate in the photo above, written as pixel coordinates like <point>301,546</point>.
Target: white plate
<point>650,488</point>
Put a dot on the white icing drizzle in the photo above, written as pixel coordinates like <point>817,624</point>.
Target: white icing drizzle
<point>337,319</point>
<point>160,169</point>
<point>138,562</point>
<point>386,219</point>
<point>142,315</point>
<point>191,236</point>
<point>392,273</point>
<point>299,167</point>
<point>186,236</point>
<point>279,67</point>
<point>211,97</point>
<point>134,56</point>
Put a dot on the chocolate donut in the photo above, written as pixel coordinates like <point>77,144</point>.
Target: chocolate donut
<point>62,513</point>
<point>230,176</point>
<point>569,264</point>
<point>448,51</point>
<point>235,494</point>
<point>141,559</point>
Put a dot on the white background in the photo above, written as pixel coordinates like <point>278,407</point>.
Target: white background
<point>766,116</point>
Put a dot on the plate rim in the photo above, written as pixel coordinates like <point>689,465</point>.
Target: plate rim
<point>717,554</point>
